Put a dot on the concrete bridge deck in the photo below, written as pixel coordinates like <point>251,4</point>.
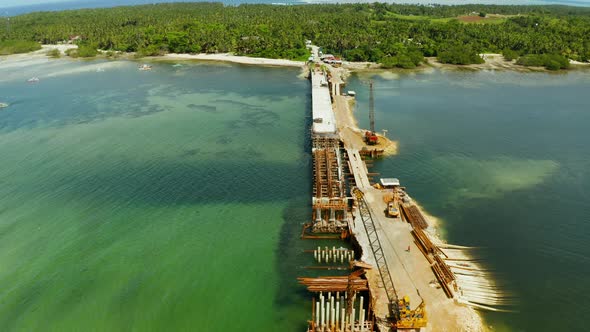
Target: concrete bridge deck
<point>410,271</point>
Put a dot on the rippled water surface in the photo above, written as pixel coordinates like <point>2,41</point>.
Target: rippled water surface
<point>166,200</point>
<point>172,200</point>
<point>502,158</point>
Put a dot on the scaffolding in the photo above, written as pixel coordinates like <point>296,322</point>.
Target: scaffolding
<point>329,202</point>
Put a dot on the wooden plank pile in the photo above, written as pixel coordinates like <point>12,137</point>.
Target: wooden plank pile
<point>414,217</point>
<point>334,284</point>
<point>424,242</point>
<point>441,270</point>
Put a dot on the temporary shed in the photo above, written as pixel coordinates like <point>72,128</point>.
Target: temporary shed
<point>389,182</point>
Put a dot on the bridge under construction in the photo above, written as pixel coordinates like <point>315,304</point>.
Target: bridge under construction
<point>400,278</point>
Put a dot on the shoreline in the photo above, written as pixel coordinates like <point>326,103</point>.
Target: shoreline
<point>213,57</point>
<point>228,57</point>
<point>493,61</point>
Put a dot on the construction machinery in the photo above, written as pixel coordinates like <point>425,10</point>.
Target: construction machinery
<point>370,135</point>
<point>410,319</point>
<point>392,211</point>
<point>404,318</point>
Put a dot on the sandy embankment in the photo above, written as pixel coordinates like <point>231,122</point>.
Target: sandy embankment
<point>348,126</point>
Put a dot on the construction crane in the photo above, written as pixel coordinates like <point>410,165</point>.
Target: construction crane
<point>405,319</point>
<point>370,136</point>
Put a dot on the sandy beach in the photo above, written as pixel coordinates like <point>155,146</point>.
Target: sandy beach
<point>348,126</point>
<point>223,57</point>
<point>39,53</point>
<point>227,57</point>
<point>493,61</point>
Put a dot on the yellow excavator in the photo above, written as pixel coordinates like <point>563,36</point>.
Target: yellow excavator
<point>410,319</point>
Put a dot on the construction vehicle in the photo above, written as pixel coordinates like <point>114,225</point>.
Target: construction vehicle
<point>411,319</point>
<point>370,135</point>
<point>392,211</point>
<point>371,138</point>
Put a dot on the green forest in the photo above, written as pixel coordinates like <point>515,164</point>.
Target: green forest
<point>391,34</point>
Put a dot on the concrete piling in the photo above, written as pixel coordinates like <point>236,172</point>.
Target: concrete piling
<point>317,313</point>
<point>332,320</point>
<point>323,311</point>
<point>332,312</point>
<point>360,305</point>
<point>337,313</point>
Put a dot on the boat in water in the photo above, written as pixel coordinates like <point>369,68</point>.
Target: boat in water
<point>3,105</point>
<point>145,67</point>
<point>33,80</point>
<point>176,65</point>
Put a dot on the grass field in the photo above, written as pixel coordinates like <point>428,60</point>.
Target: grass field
<point>18,46</point>
<point>489,19</point>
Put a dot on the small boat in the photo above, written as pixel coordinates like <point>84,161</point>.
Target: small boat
<point>99,70</point>
<point>33,80</point>
<point>177,65</point>
<point>145,67</point>
<point>3,105</point>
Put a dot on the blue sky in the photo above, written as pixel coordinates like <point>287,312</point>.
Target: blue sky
<point>10,3</point>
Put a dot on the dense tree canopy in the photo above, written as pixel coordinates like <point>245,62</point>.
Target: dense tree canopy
<point>395,35</point>
<point>549,61</point>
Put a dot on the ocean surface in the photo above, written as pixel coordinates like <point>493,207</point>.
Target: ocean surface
<point>17,7</point>
<point>502,159</point>
<point>168,200</point>
<point>173,199</point>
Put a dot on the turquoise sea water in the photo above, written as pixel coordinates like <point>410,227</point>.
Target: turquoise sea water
<point>168,200</point>
<point>173,199</point>
<point>502,158</point>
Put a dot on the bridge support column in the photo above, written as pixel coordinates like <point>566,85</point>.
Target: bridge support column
<point>332,215</point>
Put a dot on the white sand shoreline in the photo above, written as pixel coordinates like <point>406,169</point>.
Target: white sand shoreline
<point>222,57</point>
<point>493,61</point>
<point>228,57</point>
